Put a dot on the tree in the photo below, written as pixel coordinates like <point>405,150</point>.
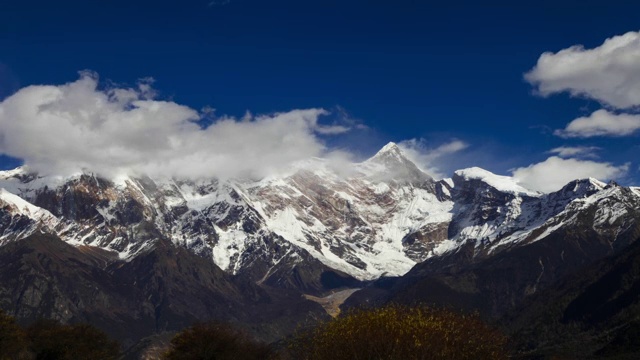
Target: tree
<point>215,341</point>
<point>399,332</point>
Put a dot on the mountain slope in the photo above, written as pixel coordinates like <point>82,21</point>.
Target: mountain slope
<point>594,312</point>
<point>176,250</point>
<point>165,289</point>
<point>493,276</point>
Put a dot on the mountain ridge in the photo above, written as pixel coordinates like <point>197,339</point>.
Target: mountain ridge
<point>380,219</point>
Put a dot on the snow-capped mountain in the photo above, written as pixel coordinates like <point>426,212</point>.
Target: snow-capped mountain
<point>20,218</point>
<point>369,219</point>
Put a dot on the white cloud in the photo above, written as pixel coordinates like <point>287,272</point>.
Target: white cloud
<point>609,73</point>
<point>555,172</point>
<point>601,123</point>
<point>571,151</point>
<point>427,158</point>
<point>63,129</point>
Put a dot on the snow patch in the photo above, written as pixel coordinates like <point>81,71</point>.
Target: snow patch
<point>502,183</point>
<point>24,207</point>
<point>381,188</point>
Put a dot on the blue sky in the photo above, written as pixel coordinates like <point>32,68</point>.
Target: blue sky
<point>435,71</point>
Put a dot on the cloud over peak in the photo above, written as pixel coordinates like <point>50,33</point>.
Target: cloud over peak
<point>427,158</point>
<point>555,172</point>
<point>78,126</point>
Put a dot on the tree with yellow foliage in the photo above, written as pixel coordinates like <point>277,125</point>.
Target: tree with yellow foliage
<point>399,332</point>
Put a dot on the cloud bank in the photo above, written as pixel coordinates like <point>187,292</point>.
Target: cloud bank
<point>609,73</point>
<point>78,126</point>
<point>555,172</point>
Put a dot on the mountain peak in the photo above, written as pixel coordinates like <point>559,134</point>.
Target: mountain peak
<point>14,173</point>
<point>391,163</point>
<point>585,186</point>
<point>391,151</point>
<point>21,206</point>
<point>499,182</point>
<point>597,183</point>
<point>390,147</point>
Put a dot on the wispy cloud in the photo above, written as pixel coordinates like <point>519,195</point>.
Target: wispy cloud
<point>344,117</point>
<point>601,123</point>
<point>428,158</point>
<point>573,151</point>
